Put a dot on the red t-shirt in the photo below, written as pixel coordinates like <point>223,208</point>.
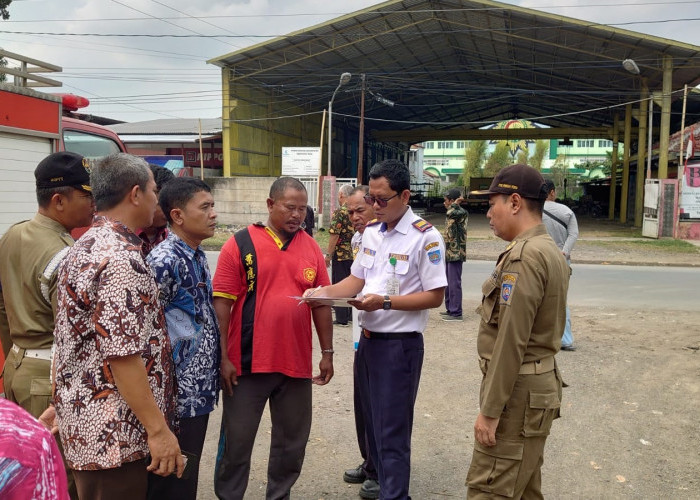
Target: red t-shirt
<point>273,333</point>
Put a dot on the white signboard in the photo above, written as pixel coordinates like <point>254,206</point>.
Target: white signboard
<point>690,193</point>
<point>301,162</point>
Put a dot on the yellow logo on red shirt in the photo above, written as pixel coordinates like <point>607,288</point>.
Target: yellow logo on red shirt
<point>309,274</point>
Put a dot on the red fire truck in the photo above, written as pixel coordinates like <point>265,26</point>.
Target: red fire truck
<point>33,125</point>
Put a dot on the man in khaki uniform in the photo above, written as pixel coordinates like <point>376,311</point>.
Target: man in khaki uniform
<point>522,317</point>
<point>30,253</point>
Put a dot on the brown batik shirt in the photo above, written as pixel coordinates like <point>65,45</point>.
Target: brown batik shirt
<point>107,308</point>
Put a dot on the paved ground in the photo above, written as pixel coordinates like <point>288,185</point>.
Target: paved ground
<point>629,428</point>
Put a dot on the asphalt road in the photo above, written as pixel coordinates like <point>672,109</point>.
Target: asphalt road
<point>636,287</point>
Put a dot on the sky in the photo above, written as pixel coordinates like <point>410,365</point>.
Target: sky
<point>136,78</point>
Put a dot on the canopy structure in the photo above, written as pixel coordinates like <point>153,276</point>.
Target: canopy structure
<point>455,65</point>
<point>432,69</point>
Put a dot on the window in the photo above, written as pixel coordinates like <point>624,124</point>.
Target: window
<point>460,144</point>
<point>89,145</point>
<point>604,144</point>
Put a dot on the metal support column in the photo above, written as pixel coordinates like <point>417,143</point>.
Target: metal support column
<point>626,164</point>
<point>644,109</point>
<point>613,168</point>
<point>225,121</point>
<point>665,117</point>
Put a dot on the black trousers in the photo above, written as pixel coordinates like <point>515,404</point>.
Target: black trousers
<point>340,269</point>
<point>193,430</point>
<point>290,412</point>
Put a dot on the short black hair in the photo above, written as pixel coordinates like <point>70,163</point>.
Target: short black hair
<point>161,175</point>
<point>44,195</point>
<point>453,194</point>
<point>280,185</point>
<point>549,185</point>
<point>178,192</point>
<point>395,172</point>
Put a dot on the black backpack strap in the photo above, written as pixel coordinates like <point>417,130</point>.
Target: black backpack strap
<point>551,216</point>
<point>250,266</point>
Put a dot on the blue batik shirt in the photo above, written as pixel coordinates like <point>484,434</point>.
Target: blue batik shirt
<point>184,282</point>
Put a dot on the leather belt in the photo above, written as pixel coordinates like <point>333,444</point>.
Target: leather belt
<point>543,365</point>
<point>388,335</point>
<point>44,354</point>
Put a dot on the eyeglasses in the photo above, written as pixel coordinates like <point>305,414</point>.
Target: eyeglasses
<point>382,202</point>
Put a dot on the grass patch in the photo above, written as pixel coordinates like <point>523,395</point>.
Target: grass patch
<point>223,234</point>
<point>664,245</point>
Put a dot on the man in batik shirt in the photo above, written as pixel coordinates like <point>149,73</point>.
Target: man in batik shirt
<point>115,398</point>
<point>183,277</point>
<point>339,254</point>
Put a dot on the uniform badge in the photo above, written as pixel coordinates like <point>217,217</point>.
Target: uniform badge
<point>508,281</point>
<point>431,245</point>
<point>370,252</point>
<point>422,225</point>
<point>434,256</point>
<point>309,274</point>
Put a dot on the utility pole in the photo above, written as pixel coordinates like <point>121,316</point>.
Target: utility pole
<point>361,139</point>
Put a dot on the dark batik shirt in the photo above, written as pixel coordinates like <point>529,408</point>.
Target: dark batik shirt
<point>184,280</point>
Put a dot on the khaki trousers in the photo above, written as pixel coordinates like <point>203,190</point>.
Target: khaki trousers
<point>511,468</point>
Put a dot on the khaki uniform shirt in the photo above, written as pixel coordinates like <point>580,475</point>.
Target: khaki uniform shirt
<point>30,253</point>
<point>522,313</point>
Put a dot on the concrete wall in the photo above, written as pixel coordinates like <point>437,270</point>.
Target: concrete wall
<point>241,200</point>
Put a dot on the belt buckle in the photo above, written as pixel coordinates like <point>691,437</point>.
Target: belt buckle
<point>16,348</point>
<point>366,333</point>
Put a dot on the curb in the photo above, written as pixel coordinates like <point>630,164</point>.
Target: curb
<point>602,262</point>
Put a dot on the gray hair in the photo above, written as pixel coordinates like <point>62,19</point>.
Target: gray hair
<point>364,189</point>
<point>114,176</point>
<point>345,190</point>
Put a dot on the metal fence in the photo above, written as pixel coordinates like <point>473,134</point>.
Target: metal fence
<point>311,185</point>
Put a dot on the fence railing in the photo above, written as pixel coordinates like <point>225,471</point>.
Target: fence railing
<point>311,185</point>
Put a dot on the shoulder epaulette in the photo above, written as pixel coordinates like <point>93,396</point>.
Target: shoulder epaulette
<point>422,225</point>
<point>372,223</point>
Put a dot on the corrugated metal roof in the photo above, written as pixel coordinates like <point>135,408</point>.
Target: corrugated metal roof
<point>463,63</point>
<point>164,138</point>
<point>169,126</point>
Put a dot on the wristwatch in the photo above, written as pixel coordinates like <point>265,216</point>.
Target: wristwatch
<point>387,303</point>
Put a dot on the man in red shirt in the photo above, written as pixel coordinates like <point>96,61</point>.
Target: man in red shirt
<point>266,341</point>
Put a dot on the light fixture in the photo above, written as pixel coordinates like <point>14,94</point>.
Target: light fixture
<point>344,78</point>
<point>630,66</point>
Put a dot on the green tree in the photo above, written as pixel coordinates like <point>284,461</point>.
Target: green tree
<point>474,155</point>
<point>498,159</point>
<point>522,157</point>
<point>538,156</point>
<point>5,14</point>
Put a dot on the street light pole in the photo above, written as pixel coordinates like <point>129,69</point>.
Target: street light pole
<point>344,78</point>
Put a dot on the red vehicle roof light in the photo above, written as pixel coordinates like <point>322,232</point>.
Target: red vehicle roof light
<point>72,102</point>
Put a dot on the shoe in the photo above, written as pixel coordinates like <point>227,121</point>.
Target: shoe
<point>355,476</point>
<point>339,323</point>
<point>568,348</point>
<point>444,313</point>
<point>452,318</point>
<point>369,489</point>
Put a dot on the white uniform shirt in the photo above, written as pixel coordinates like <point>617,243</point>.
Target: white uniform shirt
<point>420,266</point>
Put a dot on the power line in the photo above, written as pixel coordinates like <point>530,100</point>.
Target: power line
<point>325,14</point>
<point>347,35</point>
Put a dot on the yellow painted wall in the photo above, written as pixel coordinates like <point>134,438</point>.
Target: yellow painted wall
<point>255,147</point>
